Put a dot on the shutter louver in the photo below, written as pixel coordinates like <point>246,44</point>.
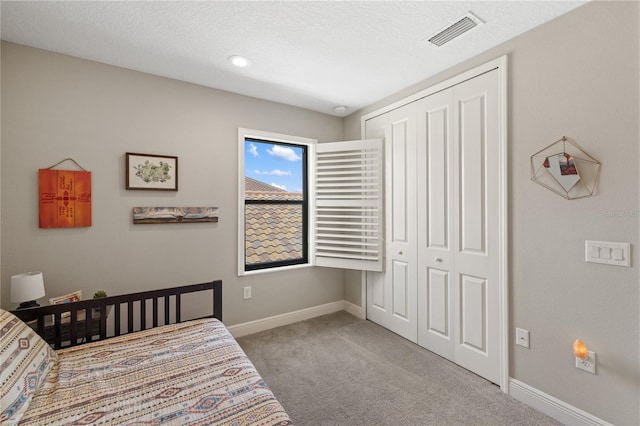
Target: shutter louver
<point>348,205</point>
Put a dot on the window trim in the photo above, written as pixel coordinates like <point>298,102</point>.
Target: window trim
<point>310,144</point>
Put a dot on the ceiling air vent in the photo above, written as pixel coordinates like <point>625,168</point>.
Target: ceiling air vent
<point>461,26</point>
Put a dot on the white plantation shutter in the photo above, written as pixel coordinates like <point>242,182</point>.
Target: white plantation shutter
<point>348,215</point>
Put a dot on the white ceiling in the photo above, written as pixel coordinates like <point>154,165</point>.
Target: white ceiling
<point>311,54</point>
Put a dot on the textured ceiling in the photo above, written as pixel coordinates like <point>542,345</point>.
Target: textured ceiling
<point>314,55</point>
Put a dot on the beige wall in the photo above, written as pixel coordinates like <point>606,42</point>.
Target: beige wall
<point>56,106</point>
<point>576,76</point>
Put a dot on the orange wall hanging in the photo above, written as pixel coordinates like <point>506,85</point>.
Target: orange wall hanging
<point>65,197</point>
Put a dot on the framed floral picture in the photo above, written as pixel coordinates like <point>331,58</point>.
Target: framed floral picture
<point>147,171</point>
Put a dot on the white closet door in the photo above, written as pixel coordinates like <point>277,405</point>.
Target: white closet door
<point>476,213</point>
<point>458,259</point>
<point>441,284</point>
<point>392,295</point>
<point>435,246</point>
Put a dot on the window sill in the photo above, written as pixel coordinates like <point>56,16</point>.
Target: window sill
<point>277,269</point>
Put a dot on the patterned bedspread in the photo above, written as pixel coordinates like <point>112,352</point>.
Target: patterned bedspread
<point>193,373</point>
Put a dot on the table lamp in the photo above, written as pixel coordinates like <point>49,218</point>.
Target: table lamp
<point>26,288</point>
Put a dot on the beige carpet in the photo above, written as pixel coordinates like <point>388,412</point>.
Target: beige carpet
<point>340,370</point>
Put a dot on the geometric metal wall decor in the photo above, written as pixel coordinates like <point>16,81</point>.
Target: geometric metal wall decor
<point>566,169</point>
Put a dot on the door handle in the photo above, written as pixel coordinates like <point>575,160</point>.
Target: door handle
<point>438,259</point>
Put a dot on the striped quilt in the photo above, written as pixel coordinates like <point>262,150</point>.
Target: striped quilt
<point>193,373</point>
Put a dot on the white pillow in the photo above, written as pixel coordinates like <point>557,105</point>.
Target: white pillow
<point>26,360</point>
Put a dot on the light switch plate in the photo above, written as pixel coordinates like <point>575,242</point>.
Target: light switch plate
<point>617,254</point>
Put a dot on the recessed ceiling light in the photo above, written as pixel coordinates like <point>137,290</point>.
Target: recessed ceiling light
<point>340,109</point>
<point>239,61</point>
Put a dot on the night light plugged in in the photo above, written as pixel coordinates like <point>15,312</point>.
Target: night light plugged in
<point>585,359</point>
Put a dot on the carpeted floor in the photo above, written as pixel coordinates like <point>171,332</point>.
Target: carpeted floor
<point>341,370</point>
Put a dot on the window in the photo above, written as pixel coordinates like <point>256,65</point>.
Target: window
<point>305,203</point>
<point>275,201</point>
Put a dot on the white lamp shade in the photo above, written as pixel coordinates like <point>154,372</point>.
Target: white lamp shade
<point>27,287</point>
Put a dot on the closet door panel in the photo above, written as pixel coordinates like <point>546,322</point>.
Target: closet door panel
<point>398,151</point>
<point>476,218</point>
<point>376,292</point>
<point>438,303</point>
<point>437,209</point>
<point>401,237</point>
<point>400,274</point>
<point>473,310</point>
<point>435,255</point>
<point>378,299</point>
<point>472,172</point>
<point>395,287</point>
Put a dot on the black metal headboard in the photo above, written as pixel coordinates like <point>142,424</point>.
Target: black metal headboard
<point>66,324</point>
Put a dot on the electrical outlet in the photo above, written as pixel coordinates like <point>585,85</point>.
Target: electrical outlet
<point>246,292</point>
<point>588,364</point>
<point>522,337</point>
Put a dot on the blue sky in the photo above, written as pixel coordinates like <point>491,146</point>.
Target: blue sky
<point>275,164</point>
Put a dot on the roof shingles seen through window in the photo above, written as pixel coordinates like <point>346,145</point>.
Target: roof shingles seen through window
<point>272,232</point>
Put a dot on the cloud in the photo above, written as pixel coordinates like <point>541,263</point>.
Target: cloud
<point>284,153</point>
<point>274,172</point>
<point>279,186</point>
<point>253,150</point>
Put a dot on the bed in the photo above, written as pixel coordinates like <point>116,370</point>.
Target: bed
<point>169,372</point>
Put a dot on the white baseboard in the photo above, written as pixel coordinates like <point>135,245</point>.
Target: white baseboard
<point>257,326</point>
<point>551,406</point>
<point>355,310</point>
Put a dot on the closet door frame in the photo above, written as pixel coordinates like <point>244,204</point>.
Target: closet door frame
<point>499,64</point>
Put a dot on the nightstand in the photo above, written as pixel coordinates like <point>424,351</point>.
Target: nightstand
<point>65,326</point>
